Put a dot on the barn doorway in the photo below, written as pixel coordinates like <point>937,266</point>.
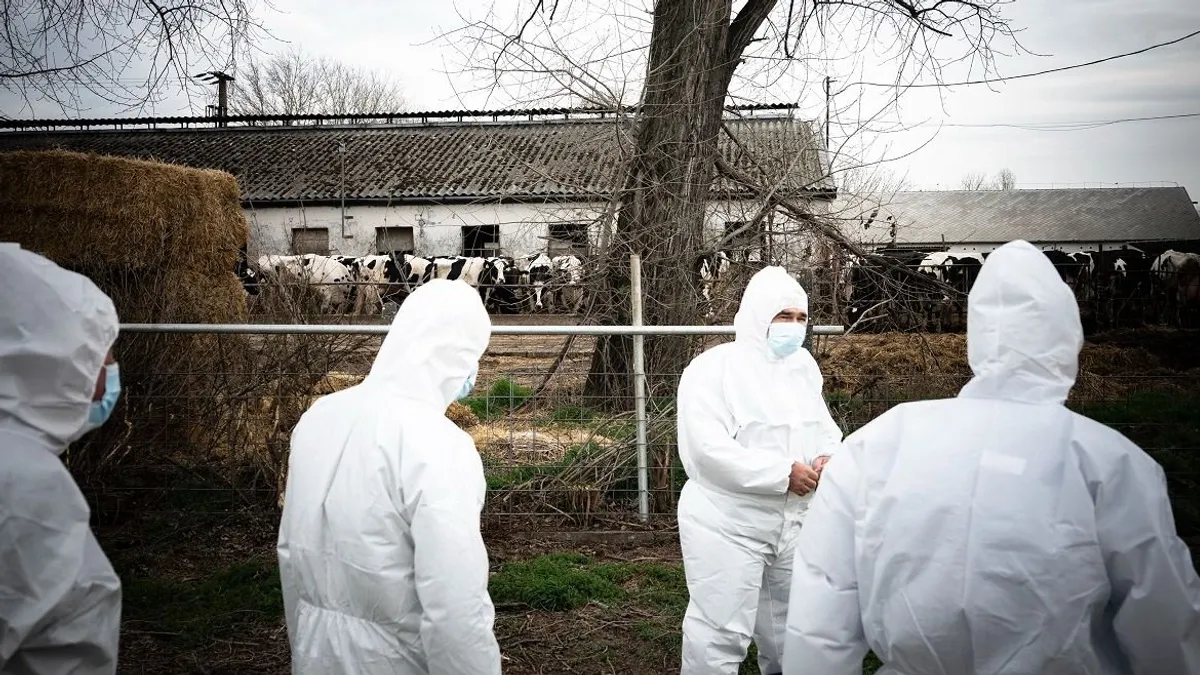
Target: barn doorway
<point>567,239</point>
<point>398,240</point>
<point>480,241</point>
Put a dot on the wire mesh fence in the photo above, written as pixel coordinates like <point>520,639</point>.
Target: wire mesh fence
<point>210,437</point>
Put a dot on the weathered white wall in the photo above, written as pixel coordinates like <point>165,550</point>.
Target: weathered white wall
<point>437,230</point>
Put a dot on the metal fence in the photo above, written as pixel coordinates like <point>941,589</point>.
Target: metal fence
<point>555,453</point>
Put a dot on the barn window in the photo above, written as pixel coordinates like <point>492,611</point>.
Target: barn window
<point>567,239</point>
<point>741,241</point>
<point>480,241</point>
<point>310,240</point>
<point>394,239</point>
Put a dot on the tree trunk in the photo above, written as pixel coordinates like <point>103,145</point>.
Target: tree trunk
<point>663,209</point>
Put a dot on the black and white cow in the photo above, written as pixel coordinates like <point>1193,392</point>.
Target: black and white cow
<point>492,278</point>
<point>709,269</point>
<point>508,289</point>
<point>880,289</point>
<point>1178,275</point>
<point>536,271</point>
<point>328,278</point>
<point>568,280</point>
<point>246,273</point>
<point>1074,268</point>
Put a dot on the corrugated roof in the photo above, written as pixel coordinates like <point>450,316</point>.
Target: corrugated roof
<point>558,159</point>
<point>998,216</point>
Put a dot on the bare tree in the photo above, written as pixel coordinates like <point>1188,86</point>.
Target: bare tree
<point>694,51</point>
<point>1006,179</point>
<point>125,52</point>
<point>294,83</point>
<point>976,180</point>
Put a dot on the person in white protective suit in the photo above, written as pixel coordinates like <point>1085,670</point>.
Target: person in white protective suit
<point>381,559</point>
<point>60,600</point>
<point>997,532</point>
<point>754,434</point>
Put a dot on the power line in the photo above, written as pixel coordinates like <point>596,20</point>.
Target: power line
<point>1027,75</point>
<point>1022,76</point>
<point>1064,126</point>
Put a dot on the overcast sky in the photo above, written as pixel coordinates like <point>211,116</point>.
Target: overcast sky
<point>402,38</point>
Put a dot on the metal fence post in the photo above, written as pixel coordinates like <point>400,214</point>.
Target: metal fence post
<point>639,386</point>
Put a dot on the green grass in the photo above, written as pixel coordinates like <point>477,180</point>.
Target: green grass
<point>654,591</point>
<point>498,401</point>
<point>195,612</point>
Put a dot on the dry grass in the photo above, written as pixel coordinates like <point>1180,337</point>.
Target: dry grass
<point>935,365</point>
<point>518,444</point>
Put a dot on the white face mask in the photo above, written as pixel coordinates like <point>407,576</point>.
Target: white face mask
<point>785,339</point>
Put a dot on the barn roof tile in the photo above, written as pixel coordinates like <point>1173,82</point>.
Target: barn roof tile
<point>972,217</point>
<point>467,161</point>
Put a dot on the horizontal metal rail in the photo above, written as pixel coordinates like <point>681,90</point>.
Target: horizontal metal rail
<point>337,329</point>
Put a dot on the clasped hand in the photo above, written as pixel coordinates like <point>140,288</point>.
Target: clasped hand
<point>804,477</point>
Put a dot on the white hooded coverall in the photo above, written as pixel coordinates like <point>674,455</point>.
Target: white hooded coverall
<point>60,601</point>
<point>997,532</point>
<point>744,417</point>
<point>383,567</point>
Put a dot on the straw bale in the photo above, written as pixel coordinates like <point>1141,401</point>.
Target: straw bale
<point>85,209</point>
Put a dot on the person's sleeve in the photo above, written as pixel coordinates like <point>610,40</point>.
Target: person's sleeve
<point>451,570</point>
<point>828,434</point>
<point>48,623</point>
<point>707,446</point>
<point>1155,596</point>
<point>824,633</point>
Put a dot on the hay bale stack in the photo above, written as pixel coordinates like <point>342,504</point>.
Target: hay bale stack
<point>80,209</point>
<point>163,242</point>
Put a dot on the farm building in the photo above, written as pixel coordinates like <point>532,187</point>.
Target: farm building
<point>475,184</point>
<point>1069,220</point>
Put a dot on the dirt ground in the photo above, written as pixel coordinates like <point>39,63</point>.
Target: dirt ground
<point>201,585</point>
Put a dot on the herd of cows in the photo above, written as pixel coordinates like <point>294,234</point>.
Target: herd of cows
<point>1118,287</point>
<point>365,284</point>
<point>1123,286</point>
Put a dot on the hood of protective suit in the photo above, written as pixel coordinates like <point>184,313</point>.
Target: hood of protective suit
<point>770,291</point>
<point>56,328</point>
<point>434,343</point>
<point>1023,329</point>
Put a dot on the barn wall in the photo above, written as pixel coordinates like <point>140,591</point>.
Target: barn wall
<point>437,230</point>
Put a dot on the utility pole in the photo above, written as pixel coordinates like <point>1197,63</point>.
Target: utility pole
<point>220,79</point>
<point>828,96</point>
<point>342,151</point>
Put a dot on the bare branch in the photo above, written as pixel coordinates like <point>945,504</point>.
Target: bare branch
<point>293,83</point>
<point>124,52</point>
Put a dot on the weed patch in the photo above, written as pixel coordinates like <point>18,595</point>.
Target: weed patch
<point>501,399</point>
<point>196,611</point>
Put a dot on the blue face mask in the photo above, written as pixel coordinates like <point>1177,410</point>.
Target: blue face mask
<point>785,339</point>
<point>101,409</point>
<point>468,385</point>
